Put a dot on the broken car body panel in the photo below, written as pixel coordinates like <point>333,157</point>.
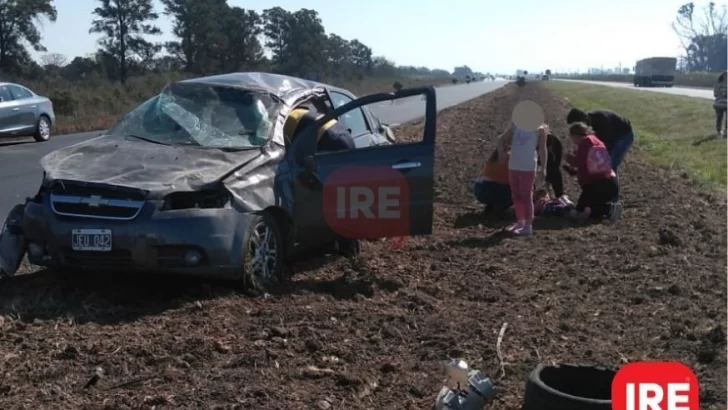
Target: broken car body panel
<point>185,172</point>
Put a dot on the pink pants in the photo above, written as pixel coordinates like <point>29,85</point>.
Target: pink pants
<point>521,183</point>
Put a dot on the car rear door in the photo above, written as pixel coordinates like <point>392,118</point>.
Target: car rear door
<point>368,192</point>
<point>26,107</point>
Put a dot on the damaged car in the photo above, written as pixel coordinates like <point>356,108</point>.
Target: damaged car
<point>205,179</point>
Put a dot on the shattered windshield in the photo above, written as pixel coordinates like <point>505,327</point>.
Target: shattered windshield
<point>202,115</point>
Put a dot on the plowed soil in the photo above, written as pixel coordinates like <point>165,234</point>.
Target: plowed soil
<point>371,332</point>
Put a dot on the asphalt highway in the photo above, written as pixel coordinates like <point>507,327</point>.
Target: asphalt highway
<point>688,92</point>
<point>20,171</point>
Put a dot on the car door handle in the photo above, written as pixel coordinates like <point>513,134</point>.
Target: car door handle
<point>16,109</point>
<point>407,165</point>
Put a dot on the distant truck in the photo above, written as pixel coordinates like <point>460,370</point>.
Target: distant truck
<point>655,72</point>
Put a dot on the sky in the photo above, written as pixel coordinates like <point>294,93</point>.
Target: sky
<point>498,36</point>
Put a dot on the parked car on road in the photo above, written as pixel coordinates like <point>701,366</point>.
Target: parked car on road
<point>24,113</point>
<point>182,185</point>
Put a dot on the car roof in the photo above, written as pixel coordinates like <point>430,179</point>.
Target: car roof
<point>276,84</point>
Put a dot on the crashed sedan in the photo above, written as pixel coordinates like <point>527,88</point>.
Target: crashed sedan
<point>205,178</point>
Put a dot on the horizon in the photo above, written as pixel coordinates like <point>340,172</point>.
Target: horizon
<point>620,38</point>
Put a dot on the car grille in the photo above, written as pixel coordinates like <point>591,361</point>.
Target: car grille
<point>85,200</point>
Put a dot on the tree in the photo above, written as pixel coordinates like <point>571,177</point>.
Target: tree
<point>197,25</point>
<point>18,25</point>
<point>277,27</point>
<point>242,28</point>
<point>53,59</point>
<point>297,40</point>
<point>123,24</point>
<point>703,37</point>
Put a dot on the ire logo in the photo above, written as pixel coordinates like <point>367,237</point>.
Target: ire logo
<point>367,203</point>
<point>655,386</point>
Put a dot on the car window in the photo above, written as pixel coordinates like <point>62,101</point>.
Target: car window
<point>5,93</point>
<point>19,93</point>
<point>354,119</point>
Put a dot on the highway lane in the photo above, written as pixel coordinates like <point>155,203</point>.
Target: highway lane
<point>703,93</point>
<point>20,171</point>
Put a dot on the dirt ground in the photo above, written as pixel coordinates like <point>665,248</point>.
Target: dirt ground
<point>370,333</point>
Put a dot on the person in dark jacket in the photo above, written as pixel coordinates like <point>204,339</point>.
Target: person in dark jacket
<point>614,130</point>
<point>598,180</point>
<point>720,93</point>
<point>332,136</point>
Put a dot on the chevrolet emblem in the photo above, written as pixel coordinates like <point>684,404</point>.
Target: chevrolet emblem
<point>95,201</point>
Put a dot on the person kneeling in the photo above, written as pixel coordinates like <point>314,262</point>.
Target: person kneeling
<point>599,197</point>
<point>491,187</point>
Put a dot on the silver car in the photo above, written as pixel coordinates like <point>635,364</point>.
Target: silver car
<point>25,113</point>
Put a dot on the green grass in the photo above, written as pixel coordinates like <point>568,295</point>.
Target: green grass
<point>701,80</point>
<point>672,132</point>
<point>94,103</point>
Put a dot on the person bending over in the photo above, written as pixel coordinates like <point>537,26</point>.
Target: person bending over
<point>598,181</point>
<point>613,129</point>
<point>332,136</point>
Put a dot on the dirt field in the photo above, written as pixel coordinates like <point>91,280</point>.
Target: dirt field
<point>370,333</point>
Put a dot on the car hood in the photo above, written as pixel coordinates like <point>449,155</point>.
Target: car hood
<point>117,160</point>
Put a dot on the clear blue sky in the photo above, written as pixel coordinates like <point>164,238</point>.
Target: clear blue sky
<point>487,35</point>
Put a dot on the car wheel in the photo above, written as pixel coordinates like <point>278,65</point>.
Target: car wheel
<point>263,255</point>
<point>43,129</point>
<point>568,387</point>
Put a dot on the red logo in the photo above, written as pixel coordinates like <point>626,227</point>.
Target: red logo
<point>655,386</point>
<point>367,203</point>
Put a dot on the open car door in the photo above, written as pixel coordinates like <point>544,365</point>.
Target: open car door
<point>12,242</point>
<point>368,192</point>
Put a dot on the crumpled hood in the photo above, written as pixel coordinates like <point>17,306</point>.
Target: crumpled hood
<point>130,162</point>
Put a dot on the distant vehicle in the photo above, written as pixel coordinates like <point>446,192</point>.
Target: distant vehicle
<point>193,182</point>
<point>655,72</point>
<point>24,113</point>
<point>545,77</point>
<point>468,79</point>
<point>521,77</point>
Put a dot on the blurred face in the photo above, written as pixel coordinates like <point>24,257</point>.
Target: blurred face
<point>576,138</point>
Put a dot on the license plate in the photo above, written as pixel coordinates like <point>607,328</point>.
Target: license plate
<point>97,240</point>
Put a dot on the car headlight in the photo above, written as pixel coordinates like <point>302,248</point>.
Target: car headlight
<point>196,199</point>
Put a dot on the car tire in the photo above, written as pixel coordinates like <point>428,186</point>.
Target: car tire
<point>568,387</point>
<point>263,257</point>
<point>42,129</point>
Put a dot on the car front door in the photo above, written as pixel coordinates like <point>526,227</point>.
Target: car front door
<point>325,205</point>
<point>7,111</point>
<point>25,107</point>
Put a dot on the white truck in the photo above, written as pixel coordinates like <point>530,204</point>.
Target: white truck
<point>655,72</point>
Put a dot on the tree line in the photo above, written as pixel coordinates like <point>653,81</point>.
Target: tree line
<point>211,37</point>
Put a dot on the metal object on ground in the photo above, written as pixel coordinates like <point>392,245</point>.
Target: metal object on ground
<point>464,389</point>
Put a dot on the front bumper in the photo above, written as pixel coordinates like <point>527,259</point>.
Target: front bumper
<point>153,241</point>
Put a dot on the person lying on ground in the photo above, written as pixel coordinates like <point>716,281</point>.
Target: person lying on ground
<point>332,136</point>
<point>599,198</point>
<point>545,205</point>
<point>613,129</point>
<point>527,142</point>
<point>491,187</point>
